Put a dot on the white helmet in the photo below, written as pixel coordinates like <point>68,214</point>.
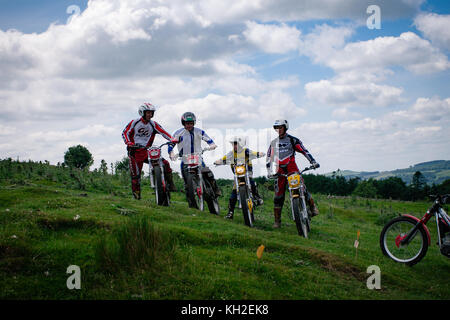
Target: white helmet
<point>284,123</point>
<point>146,107</point>
<point>240,141</point>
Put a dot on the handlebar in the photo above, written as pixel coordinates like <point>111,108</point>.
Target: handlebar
<point>199,153</point>
<point>276,175</point>
<point>140,146</point>
<point>443,198</point>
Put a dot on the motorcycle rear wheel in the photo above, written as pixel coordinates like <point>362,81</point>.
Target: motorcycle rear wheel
<point>210,198</point>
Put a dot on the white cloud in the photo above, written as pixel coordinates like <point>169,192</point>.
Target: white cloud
<point>272,38</point>
<point>426,110</point>
<point>344,113</point>
<point>361,66</point>
<point>386,142</point>
<point>407,50</point>
<point>435,27</point>
<point>81,83</point>
<point>364,94</point>
<point>290,10</point>
<point>324,42</point>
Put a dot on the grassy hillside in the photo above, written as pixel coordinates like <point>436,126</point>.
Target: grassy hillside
<point>434,172</point>
<point>130,249</point>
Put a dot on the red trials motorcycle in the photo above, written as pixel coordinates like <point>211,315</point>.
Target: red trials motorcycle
<point>405,239</point>
<point>157,174</point>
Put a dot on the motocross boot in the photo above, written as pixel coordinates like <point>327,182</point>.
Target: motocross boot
<point>277,214</point>
<point>216,188</point>
<point>230,214</point>
<point>313,207</point>
<point>170,182</point>
<point>231,205</point>
<point>137,194</point>
<point>259,201</point>
<point>136,187</point>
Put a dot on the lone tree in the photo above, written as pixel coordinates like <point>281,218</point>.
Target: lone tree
<point>123,165</point>
<point>103,167</point>
<point>418,185</point>
<point>366,189</point>
<point>78,157</point>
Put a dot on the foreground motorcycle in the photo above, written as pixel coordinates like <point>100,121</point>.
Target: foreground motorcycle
<point>157,173</point>
<point>198,187</point>
<point>244,190</point>
<point>405,239</point>
<point>300,212</point>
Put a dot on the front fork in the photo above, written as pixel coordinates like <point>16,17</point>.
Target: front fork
<point>247,182</point>
<point>302,199</point>
<point>152,175</point>
<point>199,174</point>
<point>412,233</point>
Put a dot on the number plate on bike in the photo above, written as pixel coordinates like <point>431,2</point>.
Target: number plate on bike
<point>154,153</point>
<point>192,159</point>
<point>294,180</point>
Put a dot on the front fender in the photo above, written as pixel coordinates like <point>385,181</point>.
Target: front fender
<point>423,225</point>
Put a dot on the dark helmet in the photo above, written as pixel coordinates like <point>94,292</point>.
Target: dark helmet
<point>188,116</point>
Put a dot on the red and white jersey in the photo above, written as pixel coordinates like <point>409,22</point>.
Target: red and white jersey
<point>142,132</point>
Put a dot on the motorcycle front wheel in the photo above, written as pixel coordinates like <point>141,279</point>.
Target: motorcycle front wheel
<point>193,184</point>
<point>243,196</point>
<point>395,231</point>
<point>161,195</point>
<point>302,225</point>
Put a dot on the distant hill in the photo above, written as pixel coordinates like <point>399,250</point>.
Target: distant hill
<point>434,171</point>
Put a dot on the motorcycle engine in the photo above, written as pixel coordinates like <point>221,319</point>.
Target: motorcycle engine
<point>445,248</point>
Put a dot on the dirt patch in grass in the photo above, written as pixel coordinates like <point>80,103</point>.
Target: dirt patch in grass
<point>333,263</point>
<point>14,258</point>
<point>66,223</point>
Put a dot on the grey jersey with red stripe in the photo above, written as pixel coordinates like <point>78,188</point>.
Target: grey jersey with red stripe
<point>143,132</point>
<point>283,150</point>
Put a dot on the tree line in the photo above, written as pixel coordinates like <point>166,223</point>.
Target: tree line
<point>79,157</point>
<point>389,188</point>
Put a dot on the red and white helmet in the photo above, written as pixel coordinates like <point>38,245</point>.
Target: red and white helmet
<point>146,107</point>
<point>279,123</point>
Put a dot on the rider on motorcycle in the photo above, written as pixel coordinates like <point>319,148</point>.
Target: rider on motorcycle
<point>189,139</point>
<point>142,131</point>
<point>245,154</point>
<point>282,150</point>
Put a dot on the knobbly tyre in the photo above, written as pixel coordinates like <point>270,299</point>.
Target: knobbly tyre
<point>199,189</point>
<point>157,174</point>
<point>300,213</point>
<point>244,189</point>
<point>405,239</point>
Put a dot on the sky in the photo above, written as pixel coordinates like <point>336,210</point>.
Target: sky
<point>362,91</point>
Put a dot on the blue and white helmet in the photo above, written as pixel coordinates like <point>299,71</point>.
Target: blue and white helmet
<point>146,107</point>
<point>284,123</point>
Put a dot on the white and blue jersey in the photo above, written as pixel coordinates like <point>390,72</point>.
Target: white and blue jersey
<point>190,141</point>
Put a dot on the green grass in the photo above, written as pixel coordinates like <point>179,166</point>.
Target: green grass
<point>130,249</point>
